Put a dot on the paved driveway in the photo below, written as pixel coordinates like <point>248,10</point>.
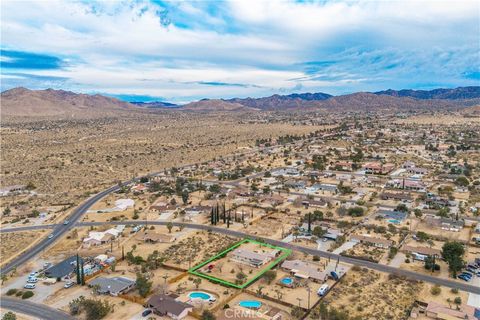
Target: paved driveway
<point>344,247</point>
<point>397,260</point>
<point>474,299</point>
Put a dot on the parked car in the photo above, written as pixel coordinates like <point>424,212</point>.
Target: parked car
<point>69,284</point>
<point>29,286</point>
<point>47,265</point>
<point>146,312</point>
<point>66,222</point>
<point>33,274</point>
<point>334,275</point>
<point>32,280</point>
<point>472,270</point>
<point>323,290</point>
<point>464,277</point>
<point>50,236</point>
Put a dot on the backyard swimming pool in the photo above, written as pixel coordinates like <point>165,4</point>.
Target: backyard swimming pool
<point>251,304</point>
<point>287,281</point>
<point>394,221</point>
<point>201,295</point>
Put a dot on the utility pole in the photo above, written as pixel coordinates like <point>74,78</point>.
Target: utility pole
<point>165,277</point>
<point>299,300</point>
<point>308,290</point>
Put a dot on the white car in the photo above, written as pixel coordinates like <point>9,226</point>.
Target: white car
<point>323,290</point>
<point>50,236</point>
<point>32,280</point>
<point>29,286</point>
<point>33,274</point>
<point>69,284</point>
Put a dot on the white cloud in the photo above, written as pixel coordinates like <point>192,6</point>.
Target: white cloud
<point>114,46</point>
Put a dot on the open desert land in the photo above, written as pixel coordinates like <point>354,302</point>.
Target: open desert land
<point>69,159</point>
<point>366,294</point>
<point>14,243</point>
<point>440,119</point>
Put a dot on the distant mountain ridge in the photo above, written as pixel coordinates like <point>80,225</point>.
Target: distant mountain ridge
<point>452,94</point>
<point>155,104</point>
<point>444,98</point>
<point>49,102</point>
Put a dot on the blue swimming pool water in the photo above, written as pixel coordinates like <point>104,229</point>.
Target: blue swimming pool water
<point>287,281</point>
<point>394,221</point>
<point>199,295</point>
<point>252,304</point>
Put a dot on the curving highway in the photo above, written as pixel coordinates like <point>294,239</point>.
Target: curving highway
<point>33,309</point>
<point>58,230</point>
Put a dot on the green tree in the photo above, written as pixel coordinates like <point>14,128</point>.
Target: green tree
<point>9,316</point>
<point>207,315</point>
<point>143,285</point>
<point>462,182</point>
<point>169,227</point>
<point>452,253</point>
<point>355,212</point>
<point>457,301</point>
<point>7,211</point>
<point>319,231</point>
<point>4,278</point>
<point>418,213</point>
<point>185,195</point>
<point>269,276</point>
<point>214,188</point>
<point>422,236</point>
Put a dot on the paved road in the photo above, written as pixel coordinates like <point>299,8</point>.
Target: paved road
<point>58,230</point>
<point>329,255</point>
<point>325,254</point>
<point>38,311</point>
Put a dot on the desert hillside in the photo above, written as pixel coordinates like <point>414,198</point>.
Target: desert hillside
<point>24,102</point>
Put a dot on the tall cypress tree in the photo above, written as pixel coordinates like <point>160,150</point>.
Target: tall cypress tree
<point>82,273</point>
<point>78,270</point>
<point>309,222</point>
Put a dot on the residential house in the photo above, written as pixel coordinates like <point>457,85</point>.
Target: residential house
<point>398,216</point>
<point>444,223</point>
<point>378,167</point>
<point>167,305</point>
<point>154,237</point>
<point>96,238</point>
<point>343,166</point>
<point>377,242</point>
<point>398,196</point>
<point>12,190</point>
<point>112,286</point>
<point>63,269</point>
<point>252,258</point>
<point>305,270</point>
<point>423,251</point>
<point>435,310</point>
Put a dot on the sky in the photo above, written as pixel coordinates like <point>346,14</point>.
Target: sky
<point>182,51</point>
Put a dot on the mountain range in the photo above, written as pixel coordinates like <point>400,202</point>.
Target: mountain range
<point>49,102</point>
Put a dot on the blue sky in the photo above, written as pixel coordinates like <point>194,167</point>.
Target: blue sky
<point>181,51</point>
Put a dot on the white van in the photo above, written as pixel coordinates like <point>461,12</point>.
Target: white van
<point>323,290</point>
